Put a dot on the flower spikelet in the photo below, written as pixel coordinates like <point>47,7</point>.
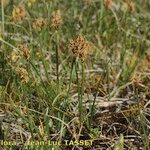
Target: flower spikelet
<point>79,47</point>
<point>130,5</point>
<point>13,56</point>
<point>87,2</point>
<point>23,75</point>
<point>39,23</point>
<point>25,51</point>
<point>108,3</point>
<point>18,13</point>
<point>56,21</point>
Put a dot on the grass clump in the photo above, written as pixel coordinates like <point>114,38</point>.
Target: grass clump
<point>74,74</point>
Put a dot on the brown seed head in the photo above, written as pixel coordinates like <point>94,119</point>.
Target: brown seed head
<point>136,80</point>
<point>87,2</point>
<point>13,56</point>
<point>79,47</point>
<point>130,5</point>
<point>23,75</point>
<point>39,23</point>
<point>18,13</point>
<point>25,51</point>
<point>56,21</point>
<point>108,3</point>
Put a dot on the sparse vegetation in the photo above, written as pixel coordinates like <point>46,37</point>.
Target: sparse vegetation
<point>74,72</point>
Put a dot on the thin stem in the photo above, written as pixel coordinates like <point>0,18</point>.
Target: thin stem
<point>77,78</point>
<point>92,108</point>
<point>70,81</point>
<point>45,87</point>
<point>57,61</point>
<point>3,19</point>
<point>72,65</point>
<point>80,90</point>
